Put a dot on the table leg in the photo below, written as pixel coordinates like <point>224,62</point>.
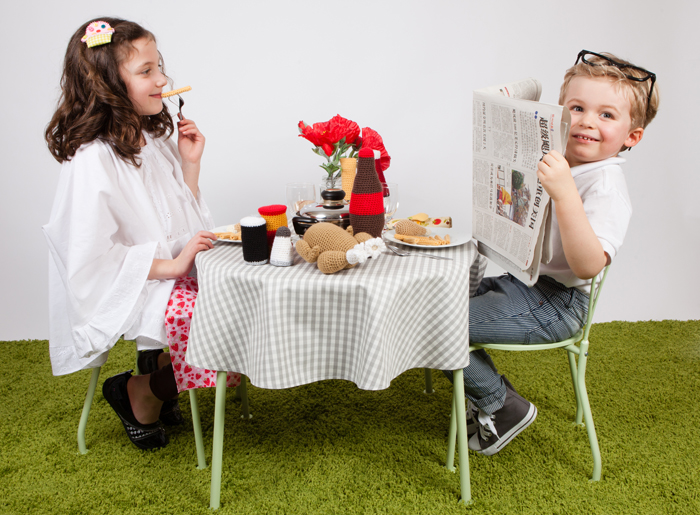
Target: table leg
<point>218,447</point>
<point>460,412</point>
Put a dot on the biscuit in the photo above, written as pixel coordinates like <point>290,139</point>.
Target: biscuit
<point>175,92</point>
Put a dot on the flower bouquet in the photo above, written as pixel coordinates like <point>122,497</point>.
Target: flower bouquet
<point>338,138</point>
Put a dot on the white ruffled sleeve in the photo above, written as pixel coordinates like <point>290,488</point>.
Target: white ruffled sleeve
<point>99,269</point>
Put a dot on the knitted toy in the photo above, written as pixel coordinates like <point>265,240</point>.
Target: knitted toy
<point>254,239</point>
<point>405,226</point>
<point>367,200</point>
<point>275,217</point>
<point>282,253</point>
<point>334,248</point>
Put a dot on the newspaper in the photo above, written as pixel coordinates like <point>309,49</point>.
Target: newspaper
<point>511,210</point>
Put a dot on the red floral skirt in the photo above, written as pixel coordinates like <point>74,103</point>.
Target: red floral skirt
<point>178,317</point>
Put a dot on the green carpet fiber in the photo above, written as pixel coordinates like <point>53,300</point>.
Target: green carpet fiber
<point>331,448</point>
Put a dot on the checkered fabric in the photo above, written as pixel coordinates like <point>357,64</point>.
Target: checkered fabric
<point>99,39</point>
<point>284,327</point>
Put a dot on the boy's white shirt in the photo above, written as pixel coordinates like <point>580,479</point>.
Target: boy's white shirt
<point>109,221</point>
<point>603,190</point>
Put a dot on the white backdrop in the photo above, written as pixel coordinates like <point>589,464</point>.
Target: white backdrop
<point>407,69</point>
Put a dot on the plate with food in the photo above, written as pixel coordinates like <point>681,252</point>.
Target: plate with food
<point>228,233</point>
<point>411,234</point>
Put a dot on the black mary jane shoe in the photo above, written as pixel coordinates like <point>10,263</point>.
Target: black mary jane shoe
<point>170,413</point>
<point>143,436</point>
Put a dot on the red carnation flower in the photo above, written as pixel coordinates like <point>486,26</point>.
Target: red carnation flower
<point>372,140</point>
<point>343,128</point>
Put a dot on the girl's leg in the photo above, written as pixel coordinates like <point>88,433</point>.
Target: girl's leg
<point>177,326</point>
<point>145,405</point>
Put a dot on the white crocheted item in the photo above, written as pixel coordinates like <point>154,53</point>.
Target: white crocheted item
<point>374,247</point>
<point>357,254</point>
<point>282,253</point>
<point>253,221</point>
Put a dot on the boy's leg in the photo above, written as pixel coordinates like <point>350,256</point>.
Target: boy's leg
<point>504,310</point>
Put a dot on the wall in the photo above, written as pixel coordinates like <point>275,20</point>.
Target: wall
<point>404,68</point>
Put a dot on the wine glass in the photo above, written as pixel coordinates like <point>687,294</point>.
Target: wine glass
<point>391,201</point>
<point>300,194</point>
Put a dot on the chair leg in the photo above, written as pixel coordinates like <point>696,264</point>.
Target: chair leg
<point>587,415</point>
<point>428,381</point>
<point>577,394</point>
<point>86,409</point>
<point>197,426</point>
<point>218,446</point>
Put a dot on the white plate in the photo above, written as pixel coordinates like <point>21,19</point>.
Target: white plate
<point>226,228</point>
<point>457,238</point>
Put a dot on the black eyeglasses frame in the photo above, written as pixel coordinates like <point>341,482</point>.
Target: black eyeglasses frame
<point>620,66</point>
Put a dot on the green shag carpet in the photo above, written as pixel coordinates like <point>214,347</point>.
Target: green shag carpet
<point>331,448</point>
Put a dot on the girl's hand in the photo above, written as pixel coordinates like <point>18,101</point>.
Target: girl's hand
<point>185,261</point>
<point>190,143</point>
<point>182,265</point>
<point>555,175</point>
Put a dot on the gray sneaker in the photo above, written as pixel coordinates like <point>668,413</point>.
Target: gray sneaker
<point>473,423</point>
<point>497,430</point>
<point>472,419</point>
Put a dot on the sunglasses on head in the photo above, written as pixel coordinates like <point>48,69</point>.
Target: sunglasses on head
<point>585,56</point>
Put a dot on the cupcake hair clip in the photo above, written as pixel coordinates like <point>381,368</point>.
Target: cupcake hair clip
<point>97,33</point>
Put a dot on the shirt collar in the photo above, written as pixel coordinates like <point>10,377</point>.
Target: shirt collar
<point>580,169</point>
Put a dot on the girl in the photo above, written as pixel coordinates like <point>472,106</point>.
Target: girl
<point>127,222</point>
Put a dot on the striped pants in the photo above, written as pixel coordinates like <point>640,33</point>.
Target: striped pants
<point>505,310</point>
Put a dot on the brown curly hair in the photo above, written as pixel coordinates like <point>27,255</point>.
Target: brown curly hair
<point>94,102</point>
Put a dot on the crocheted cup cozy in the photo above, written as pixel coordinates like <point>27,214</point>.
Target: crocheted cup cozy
<point>367,201</point>
<point>254,240</point>
<point>281,254</point>
<point>275,217</point>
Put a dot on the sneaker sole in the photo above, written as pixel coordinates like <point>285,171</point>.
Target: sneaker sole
<point>508,437</point>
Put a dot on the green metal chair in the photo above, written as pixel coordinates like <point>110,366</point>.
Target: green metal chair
<point>577,345</point>
<point>241,392</point>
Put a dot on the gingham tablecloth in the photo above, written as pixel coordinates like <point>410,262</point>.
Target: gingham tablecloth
<point>288,326</point>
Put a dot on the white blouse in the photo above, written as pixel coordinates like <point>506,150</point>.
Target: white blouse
<point>109,221</point>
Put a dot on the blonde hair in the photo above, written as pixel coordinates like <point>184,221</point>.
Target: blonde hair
<point>637,92</point>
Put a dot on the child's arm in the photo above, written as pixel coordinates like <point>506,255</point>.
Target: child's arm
<point>182,264</point>
<point>190,144</point>
<point>583,251</point>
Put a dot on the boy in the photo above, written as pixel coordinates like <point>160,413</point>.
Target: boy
<point>611,102</point>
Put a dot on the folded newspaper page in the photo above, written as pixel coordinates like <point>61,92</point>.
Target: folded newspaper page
<point>511,210</point>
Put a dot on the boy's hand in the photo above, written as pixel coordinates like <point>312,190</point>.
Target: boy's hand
<point>555,175</point>
<point>584,252</point>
